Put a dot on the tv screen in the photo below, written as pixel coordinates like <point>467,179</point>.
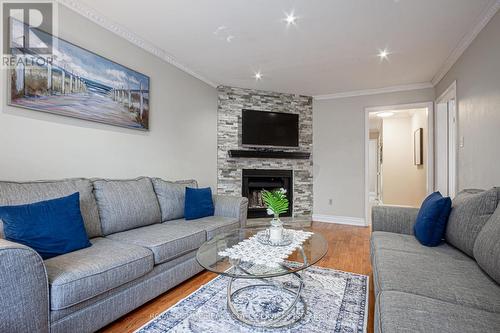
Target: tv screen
<point>260,128</point>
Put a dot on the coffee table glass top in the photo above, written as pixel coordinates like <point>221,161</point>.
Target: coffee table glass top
<point>310,252</point>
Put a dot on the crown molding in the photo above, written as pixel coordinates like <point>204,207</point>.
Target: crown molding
<point>366,92</point>
<point>121,31</point>
<point>466,41</point>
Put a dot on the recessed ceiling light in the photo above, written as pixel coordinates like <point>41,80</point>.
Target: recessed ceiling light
<point>383,54</point>
<point>220,29</point>
<point>258,75</point>
<point>385,114</point>
<point>290,18</point>
<point>223,33</point>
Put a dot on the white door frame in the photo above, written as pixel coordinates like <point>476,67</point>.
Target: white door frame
<point>428,160</point>
<point>451,94</point>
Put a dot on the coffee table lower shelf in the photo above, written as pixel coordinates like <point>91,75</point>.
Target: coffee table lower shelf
<point>292,307</point>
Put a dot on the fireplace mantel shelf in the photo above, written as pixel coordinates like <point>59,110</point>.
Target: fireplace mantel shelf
<point>292,155</point>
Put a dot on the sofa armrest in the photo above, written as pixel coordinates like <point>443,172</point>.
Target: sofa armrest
<point>24,290</point>
<point>231,206</point>
<point>395,219</point>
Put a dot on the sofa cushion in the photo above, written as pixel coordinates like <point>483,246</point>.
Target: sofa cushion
<point>52,227</point>
<point>381,240</point>
<point>171,197</point>
<point>439,276</point>
<point>166,241</point>
<point>470,211</point>
<point>212,225</point>
<point>119,301</point>
<point>19,193</point>
<point>126,204</point>
<point>487,247</point>
<point>77,276</point>
<point>402,312</point>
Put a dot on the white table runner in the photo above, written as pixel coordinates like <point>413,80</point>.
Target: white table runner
<point>253,251</point>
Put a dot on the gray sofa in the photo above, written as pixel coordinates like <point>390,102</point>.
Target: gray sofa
<point>141,247</point>
<point>453,287</point>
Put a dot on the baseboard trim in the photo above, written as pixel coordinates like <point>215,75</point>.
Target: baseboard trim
<point>339,219</point>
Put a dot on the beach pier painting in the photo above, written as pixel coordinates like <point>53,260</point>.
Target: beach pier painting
<point>78,83</point>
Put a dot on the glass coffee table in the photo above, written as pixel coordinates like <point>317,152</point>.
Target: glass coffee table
<point>265,285</point>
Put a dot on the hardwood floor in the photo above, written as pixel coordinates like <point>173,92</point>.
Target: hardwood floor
<point>348,251</point>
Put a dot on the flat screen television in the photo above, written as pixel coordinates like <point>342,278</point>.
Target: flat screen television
<point>270,129</point>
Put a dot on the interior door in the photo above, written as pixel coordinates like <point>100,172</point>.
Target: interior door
<point>373,168</point>
<point>441,148</point>
<point>452,147</point>
<point>445,148</point>
<point>379,170</point>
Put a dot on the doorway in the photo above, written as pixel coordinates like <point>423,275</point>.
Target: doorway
<point>399,154</point>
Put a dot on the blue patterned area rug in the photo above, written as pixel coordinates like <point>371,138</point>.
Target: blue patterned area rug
<point>336,302</point>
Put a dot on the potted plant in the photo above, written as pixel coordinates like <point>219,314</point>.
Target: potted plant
<point>276,203</point>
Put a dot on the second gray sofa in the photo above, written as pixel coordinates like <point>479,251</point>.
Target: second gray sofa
<point>450,288</point>
<point>141,247</point>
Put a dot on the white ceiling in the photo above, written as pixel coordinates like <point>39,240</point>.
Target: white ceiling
<point>332,48</point>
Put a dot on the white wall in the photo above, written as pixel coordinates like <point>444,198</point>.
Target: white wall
<point>404,183</point>
<point>477,73</point>
<point>397,167</point>
<point>338,149</point>
<point>419,120</point>
<point>181,143</point>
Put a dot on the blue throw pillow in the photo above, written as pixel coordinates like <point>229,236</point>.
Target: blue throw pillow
<point>431,219</point>
<point>51,227</point>
<point>198,203</point>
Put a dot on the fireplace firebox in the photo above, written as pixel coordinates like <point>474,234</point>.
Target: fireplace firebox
<point>254,181</point>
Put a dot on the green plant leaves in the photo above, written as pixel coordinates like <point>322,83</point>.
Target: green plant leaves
<point>276,201</point>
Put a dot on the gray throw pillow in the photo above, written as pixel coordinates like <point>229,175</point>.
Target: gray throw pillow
<point>487,247</point>
<point>470,211</point>
<point>171,197</point>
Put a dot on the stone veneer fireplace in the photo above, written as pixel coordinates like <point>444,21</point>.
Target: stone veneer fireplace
<point>231,101</point>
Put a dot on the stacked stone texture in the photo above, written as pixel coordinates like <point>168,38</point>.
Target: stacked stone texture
<point>231,102</point>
